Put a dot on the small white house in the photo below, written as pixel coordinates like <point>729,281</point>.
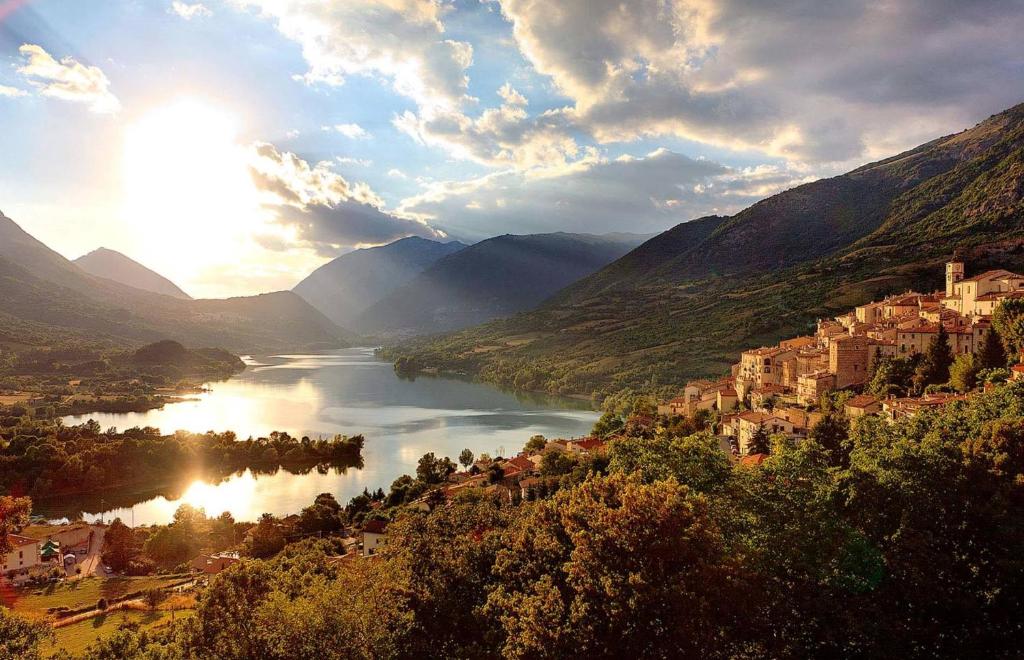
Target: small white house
<point>23,556</point>
<point>374,536</point>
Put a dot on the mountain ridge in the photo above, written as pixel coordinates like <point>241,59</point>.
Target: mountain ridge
<point>345,287</point>
<point>113,265</point>
<point>49,298</point>
<point>496,277</point>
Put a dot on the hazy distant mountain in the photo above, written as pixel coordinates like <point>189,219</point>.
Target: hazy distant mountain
<point>117,267</point>
<point>685,303</point>
<point>345,287</point>
<point>46,298</point>
<point>497,277</point>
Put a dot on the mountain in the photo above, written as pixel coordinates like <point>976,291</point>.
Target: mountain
<point>345,287</point>
<point>115,266</point>
<point>497,277</point>
<point>44,298</point>
<point>685,303</point>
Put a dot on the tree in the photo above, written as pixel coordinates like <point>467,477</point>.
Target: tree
<point>938,358</point>
<point>265,539</point>
<point>120,546</point>
<point>992,354</point>
<point>21,638</point>
<point>14,513</point>
<point>963,375</point>
<point>759,443</point>
<point>536,444</point>
<point>466,458</point>
<point>1008,321</point>
<point>434,470</point>
<point>615,568</point>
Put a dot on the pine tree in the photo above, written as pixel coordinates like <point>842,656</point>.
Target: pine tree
<point>937,359</point>
<point>759,442</point>
<point>992,355</point>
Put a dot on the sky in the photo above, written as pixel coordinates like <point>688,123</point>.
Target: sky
<point>236,145</point>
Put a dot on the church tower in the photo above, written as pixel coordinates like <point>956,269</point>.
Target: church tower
<point>954,273</point>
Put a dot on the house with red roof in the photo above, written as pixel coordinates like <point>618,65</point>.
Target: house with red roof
<point>374,536</point>
<point>23,557</point>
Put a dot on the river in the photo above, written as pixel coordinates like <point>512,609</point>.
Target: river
<point>347,391</point>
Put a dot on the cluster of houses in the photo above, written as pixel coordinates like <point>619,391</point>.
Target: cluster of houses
<point>777,386</point>
<point>30,557</point>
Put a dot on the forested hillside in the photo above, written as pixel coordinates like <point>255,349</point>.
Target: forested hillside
<point>686,303</point>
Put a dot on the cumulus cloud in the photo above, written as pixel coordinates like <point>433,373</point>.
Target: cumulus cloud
<point>351,131</point>
<point>67,79</point>
<point>12,92</point>
<point>596,194</point>
<point>810,80</point>
<point>323,208</point>
<point>188,11</point>
<point>502,136</point>
<point>401,40</point>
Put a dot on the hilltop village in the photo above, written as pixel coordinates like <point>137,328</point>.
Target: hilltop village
<point>779,389</point>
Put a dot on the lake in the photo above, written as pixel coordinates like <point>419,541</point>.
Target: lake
<point>347,391</point>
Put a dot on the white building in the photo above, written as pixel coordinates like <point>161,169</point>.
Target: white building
<point>23,557</point>
<point>374,536</point>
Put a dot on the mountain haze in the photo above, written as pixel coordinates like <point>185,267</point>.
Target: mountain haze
<point>686,302</point>
<point>48,298</point>
<point>115,266</point>
<point>345,287</point>
<point>497,277</point>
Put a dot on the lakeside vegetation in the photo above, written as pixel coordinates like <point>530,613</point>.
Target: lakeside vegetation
<point>76,378</point>
<point>42,457</point>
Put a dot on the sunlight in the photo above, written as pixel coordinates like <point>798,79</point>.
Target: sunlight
<point>187,189</point>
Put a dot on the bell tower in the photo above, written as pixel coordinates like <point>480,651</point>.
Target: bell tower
<point>954,274</point>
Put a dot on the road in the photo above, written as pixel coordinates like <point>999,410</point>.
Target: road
<point>91,563</point>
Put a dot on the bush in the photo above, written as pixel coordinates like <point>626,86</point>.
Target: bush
<point>102,604</point>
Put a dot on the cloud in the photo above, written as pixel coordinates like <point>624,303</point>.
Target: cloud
<point>397,173</point>
<point>810,80</point>
<point>67,79</point>
<point>402,40</point>
<point>596,194</point>
<point>324,209</point>
<point>12,92</point>
<point>501,136</point>
<point>351,131</point>
<point>348,160</point>
<point>188,11</point>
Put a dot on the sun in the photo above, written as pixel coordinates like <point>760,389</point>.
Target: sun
<point>188,194</point>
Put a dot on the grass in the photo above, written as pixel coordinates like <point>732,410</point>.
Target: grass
<point>80,593</point>
<point>76,637</point>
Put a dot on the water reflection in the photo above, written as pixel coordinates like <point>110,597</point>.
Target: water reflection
<point>322,394</point>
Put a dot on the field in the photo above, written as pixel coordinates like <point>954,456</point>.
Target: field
<point>34,602</point>
<point>76,637</point>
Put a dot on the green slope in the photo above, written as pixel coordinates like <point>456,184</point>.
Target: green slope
<point>687,302</point>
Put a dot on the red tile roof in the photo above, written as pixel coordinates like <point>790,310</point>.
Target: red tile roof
<point>753,459</point>
<point>996,274</point>
<point>19,541</point>
<point>862,401</point>
<point>375,526</point>
<point>521,462</point>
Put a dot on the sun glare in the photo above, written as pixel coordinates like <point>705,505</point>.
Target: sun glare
<point>187,190</point>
